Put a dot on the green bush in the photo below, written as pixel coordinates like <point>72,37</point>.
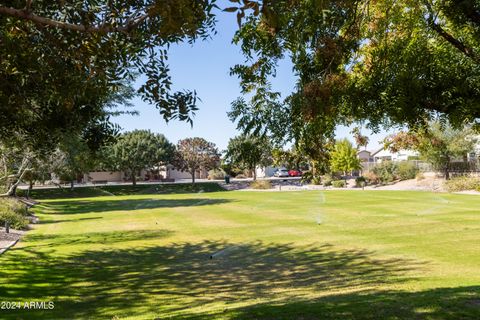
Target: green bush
<point>406,170</point>
<point>231,170</point>
<point>261,184</point>
<point>360,182</point>
<point>339,183</point>
<point>462,183</point>
<point>216,174</point>
<point>14,212</point>
<point>327,180</point>
<point>317,180</point>
<point>385,171</point>
<point>307,177</point>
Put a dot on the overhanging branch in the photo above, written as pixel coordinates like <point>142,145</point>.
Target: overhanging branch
<point>466,50</point>
<point>104,28</point>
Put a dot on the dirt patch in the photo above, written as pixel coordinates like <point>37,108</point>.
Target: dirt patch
<point>427,184</point>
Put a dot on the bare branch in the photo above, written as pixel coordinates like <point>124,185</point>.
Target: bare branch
<point>104,28</point>
<point>24,167</point>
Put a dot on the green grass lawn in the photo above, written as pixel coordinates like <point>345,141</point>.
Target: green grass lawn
<point>276,255</point>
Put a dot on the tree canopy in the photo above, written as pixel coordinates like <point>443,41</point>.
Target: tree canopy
<point>249,152</point>
<point>344,157</point>
<point>384,62</point>
<point>137,150</point>
<point>62,62</point>
<point>193,154</point>
<point>440,144</point>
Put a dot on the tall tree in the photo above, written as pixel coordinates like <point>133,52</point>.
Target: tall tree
<point>388,62</point>
<point>138,150</point>
<point>249,151</point>
<point>439,144</point>
<point>193,154</point>
<point>72,159</point>
<point>344,157</point>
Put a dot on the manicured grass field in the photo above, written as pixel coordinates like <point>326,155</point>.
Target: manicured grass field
<point>250,255</point>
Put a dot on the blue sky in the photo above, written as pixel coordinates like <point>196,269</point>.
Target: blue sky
<point>204,67</point>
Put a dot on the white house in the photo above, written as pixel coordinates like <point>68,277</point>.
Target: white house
<point>384,154</point>
<point>169,172</point>
<point>265,172</point>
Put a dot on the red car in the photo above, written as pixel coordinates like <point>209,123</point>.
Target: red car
<point>294,173</point>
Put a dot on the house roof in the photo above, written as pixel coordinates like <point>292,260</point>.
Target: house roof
<point>363,151</point>
<point>377,151</point>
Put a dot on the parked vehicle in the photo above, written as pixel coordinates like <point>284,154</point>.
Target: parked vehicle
<point>294,173</point>
<point>280,173</point>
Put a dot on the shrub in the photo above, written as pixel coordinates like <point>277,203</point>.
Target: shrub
<point>261,184</point>
<point>339,183</point>
<point>360,182</point>
<point>240,176</point>
<point>327,180</point>
<point>307,177</point>
<point>14,212</point>
<point>462,183</point>
<point>231,170</point>
<point>406,170</point>
<point>371,177</point>
<point>216,174</point>
<point>385,171</point>
<point>317,180</point>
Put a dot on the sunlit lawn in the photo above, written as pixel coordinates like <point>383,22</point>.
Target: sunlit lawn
<point>276,255</point>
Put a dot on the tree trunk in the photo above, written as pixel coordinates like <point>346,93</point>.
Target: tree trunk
<point>134,178</point>
<point>7,227</point>
<point>72,184</point>
<point>447,169</point>
<point>12,190</point>
<point>193,176</point>
<point>30,187</point>
<point>254,172</point>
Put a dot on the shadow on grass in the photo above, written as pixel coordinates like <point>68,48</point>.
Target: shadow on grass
<point>104,238</point>
<point>173,280</point>
<point>98,205</point>
<point>49,221</point>
<point>110,190</point>
<point>440,303</point>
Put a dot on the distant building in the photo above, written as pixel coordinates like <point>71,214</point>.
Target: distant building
<point>265,172</point>
<point>169,172</point>
<point>384,154</point>
<point>365,156</point>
